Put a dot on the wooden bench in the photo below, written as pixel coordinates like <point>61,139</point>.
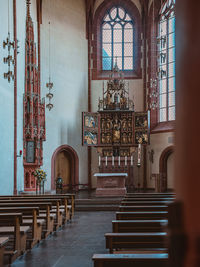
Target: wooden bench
<point>35,234</point>
<point>70,200</point>
<point>67,200</point>
<point>146,195</point>
<point>135,241</point>
<point>3,241</point>
<point>144,208</point>
<point>130,260</point>
<point>142,215</point>
<point>43,207</point>
<point>67,203</point>
<point>148,199</point>
<point>11,226</point>
<point>62,212</point>
<point>55,207</point>
<point>145,203</point>
<point>131,226</point>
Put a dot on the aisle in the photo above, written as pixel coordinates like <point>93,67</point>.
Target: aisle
<point>74,245</point>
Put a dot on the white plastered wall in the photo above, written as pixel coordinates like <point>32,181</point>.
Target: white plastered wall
<point>7,95</point>
<point>158,143</point>
<point>69,74</point>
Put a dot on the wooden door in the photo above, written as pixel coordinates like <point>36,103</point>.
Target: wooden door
<point>62,168</point>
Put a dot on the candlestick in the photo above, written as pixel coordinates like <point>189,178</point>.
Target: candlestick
<point>119,160</point>
<point>126,161</point>
<point>131,160</point>
<point>139,154</point>
<point>112,161</point>
<point>99,160</point>
<point>106,161</point>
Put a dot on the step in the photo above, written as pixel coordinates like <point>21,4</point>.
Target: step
<point>98,201</point>
<point>96,207</point>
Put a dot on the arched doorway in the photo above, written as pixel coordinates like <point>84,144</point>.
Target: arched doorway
<point>165,166</point>
<point>65,163</point>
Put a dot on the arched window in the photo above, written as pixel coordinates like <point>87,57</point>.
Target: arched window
<point>117,40</point>
<point>116,34</point>
<point>167,64</point>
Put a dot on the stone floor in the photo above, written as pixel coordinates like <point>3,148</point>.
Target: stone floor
<point>74,245</point>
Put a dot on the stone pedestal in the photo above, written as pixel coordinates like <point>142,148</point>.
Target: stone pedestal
<point>110,184</point>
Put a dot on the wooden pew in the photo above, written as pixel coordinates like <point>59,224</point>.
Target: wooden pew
<point>142,215</point>
<point>68,200</point>
<point>3,241</point>
<point>43,207</point>
<point>130,260</point>
<point>135,241</point>
<point>35,234</point>
<point>143,195</point>
<point>131,226</point>
<point>11,225</point>
<point>143,208</point>
<point>32,201</point>
<point>145,203</point>
<point>62,212</point>
<point>148,199</point>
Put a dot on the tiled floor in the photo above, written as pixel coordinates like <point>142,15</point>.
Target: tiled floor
<point>74,245</point>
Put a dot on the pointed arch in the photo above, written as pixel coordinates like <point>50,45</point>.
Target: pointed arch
<point>163,166</point>
<point>130,8</point>
<point>74,165</point>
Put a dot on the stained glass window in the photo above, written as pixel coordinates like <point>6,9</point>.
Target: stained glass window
<point>167,64</point>
<point>117,40</point>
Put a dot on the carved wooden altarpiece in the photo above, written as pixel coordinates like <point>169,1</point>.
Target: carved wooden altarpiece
<point>116,129</point>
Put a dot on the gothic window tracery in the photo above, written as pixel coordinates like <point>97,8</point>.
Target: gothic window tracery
<point>117,39</point>
<point>166,62</point>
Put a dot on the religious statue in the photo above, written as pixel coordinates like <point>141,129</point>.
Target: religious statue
<point>122,100</point>
<point>102,124</point>
<point>124,124</point>
<point>103,140</point>
<point>108,98</point>
<point>124,138</point>
<point>108,124</point>
<point>108,139</point>
<point>129,138</point>
<point>116,130</point>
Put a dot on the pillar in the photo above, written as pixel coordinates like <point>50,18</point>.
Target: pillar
<point>187,170</point>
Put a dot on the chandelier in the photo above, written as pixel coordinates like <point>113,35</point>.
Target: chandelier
<point>49,84</point>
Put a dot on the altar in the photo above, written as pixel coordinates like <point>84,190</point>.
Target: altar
<point>110,184</point>
<point>117,132</point>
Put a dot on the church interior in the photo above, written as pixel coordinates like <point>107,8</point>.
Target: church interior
<point>99,163</point>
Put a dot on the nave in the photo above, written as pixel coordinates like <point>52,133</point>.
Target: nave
<point>74,244</point>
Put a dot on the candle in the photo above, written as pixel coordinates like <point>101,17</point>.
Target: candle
<point>112,161</point>
<point>106,161</point>
<point>131,160</point>
<point>99,160</point>
<point>119,160</point>
<point>126,161</point>
<point>139,154</point>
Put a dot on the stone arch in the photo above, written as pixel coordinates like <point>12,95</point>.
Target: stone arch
<point>163,166</point>
<point>74,166</point>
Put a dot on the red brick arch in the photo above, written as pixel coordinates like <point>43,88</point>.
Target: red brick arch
<point>74,165</point>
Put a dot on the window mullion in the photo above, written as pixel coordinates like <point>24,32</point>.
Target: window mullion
<point>167,69</point>
<point>123,47</point>
<point>112,46</point>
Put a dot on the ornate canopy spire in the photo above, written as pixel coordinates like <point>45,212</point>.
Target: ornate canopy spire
<point>28,2</point>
